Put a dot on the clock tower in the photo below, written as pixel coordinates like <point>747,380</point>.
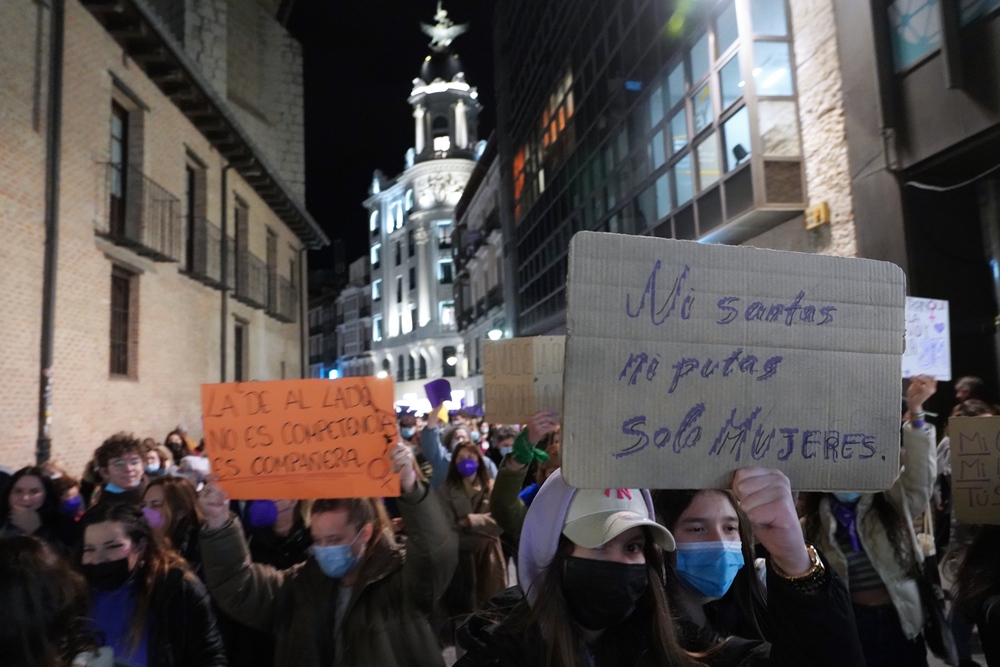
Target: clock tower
<point>411,219</point>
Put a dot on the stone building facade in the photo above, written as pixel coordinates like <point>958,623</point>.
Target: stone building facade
<point>353,310</point>
<point>411,221</point>
<point>154,165</point>
<point>479,277</point>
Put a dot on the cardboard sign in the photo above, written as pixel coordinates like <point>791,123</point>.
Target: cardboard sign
<point>522,376</point>
<point>687,361</point>
<point>975,468</point>
<point>301,439</point>
<point>928,343</point>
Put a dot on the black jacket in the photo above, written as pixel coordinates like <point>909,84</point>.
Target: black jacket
<point>182,629</point>
<point>808,629</point>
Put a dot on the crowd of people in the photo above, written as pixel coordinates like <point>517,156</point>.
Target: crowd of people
<point>143,561</point>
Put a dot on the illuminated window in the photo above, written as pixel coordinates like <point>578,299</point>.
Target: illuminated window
<point>445,271</point>
<point>376,255</point>
<point>373,221</point>
<point>409,200</point>
<point>446,313</point>
<point>376,289</point>
<point>397,214</point>
<point>377,328</point>
<point>442,144</point>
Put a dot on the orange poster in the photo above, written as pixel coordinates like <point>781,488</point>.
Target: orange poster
<point>301,439</point>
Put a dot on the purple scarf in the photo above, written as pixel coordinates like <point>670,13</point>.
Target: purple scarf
<point>846,516</point>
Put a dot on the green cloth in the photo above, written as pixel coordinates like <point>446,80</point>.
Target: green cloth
<point>525,452</point>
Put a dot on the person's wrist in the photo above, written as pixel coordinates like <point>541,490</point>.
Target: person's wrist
<point>795,563</point>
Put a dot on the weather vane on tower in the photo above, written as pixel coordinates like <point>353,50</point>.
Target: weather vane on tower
<point>444,32</point>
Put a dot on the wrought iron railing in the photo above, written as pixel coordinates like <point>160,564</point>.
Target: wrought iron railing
<point>284,304</point>
<point>251,280</point>
<point>203,256</point>
<point>140,214</point>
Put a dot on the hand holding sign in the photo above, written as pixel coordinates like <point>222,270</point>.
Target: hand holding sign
<point>403,463</point>
<point>541,424</point>
<point>214,505</point>
<point>766,498</point>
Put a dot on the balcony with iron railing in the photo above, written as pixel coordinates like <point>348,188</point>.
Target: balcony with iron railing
<point>203,253</point>
<point>141,215</point>
<point>251,280</point>
<point>283,299</point>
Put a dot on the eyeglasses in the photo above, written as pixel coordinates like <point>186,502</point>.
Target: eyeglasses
<point>121,464</point>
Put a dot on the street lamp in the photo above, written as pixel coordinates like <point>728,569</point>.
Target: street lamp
<point>452,360</point>
<point>381,375</point>
<point>495,334</point>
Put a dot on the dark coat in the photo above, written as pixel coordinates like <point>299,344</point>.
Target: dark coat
<point>814,629</point>
<point>182,628</point>
<point>386,622</point>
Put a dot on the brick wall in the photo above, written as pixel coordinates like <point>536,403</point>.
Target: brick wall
<point>178,327</point>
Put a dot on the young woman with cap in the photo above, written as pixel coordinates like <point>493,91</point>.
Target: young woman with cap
<point>590,566</point>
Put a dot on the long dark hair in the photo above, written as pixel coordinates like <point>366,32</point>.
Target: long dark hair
<point>49,511</point>
<point>177,451</point>
<point>455,479</point>
<point>43,617</point>
<point>747,588</point>
<point>979,575</point>
<point>562,640</point>
<point>883,512</point>
<point>183,513</point>
<point>156,559</point>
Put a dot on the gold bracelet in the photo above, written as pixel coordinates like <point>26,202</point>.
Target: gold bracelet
<point>817,567</point>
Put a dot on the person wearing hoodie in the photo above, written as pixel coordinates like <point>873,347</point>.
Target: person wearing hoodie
<point>361,599</point>
<point>592,593</point>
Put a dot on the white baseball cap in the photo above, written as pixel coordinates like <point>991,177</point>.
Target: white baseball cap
<point>595,517</point>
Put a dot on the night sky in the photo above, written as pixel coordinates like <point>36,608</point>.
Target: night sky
<point>361,57</point>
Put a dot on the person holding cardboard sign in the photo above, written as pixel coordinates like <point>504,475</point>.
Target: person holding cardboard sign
<point>360,599</point>
<point>590,567</point>
<point>867,537</point>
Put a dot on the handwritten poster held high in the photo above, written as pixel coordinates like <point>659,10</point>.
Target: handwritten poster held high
<point>687,361</point>
<point>301,439</point>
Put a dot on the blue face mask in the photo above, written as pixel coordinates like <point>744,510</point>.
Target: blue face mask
<point>113,488</point>
<point>504,451</point>
<point>335,561</point>
<point>709,567</point>
<point>408,433</point>
<point>847,497</point>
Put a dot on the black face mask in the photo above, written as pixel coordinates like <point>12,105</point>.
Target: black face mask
<point>107,576</point>
<point>602,594</point>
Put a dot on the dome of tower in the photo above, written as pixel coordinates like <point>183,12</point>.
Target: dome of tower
<point>443,65</point>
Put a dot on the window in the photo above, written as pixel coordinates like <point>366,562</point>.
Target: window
<point>445,274</point>
<point>400,369</point>
<point>377,289</point>
<point>408,202</point>
<point>772,68</point>
<point>768,17</point>
<point>376,256</point>
<point>399,253</point>
<point>708,162</point>
<point>241,216</point>
<point>240,352</point>
<point>411,242</point>
<point>272,270</point>
<point>411,368</point>
<point>446,313</point>
<point>449,355</point>
<point>373,221</point>
<point>396,211</point>
<point>119,169</point>
<point>442,144</point>
<point>736,137</point>
<point>413,277</point>
<point>414,318</point>
<point>443,228</point>
<point>731,83</point>
<point>399,289</point>
<point>422,368</point>
<point>377,328</point>
<point>123,325</point>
